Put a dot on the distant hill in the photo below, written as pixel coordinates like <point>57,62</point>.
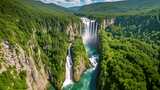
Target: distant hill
<point>50,7</point>
<point>121,7</point>
<point>32,6</point>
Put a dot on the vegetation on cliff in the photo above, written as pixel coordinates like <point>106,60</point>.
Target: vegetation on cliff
<point>41,32</point>
<point>11,80</point>
<point>80,58</point>
<point>129,54</point>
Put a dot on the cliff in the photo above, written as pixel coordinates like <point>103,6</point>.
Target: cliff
<point>33,45</point>
<point>80,59</point>
<point>129,54</point>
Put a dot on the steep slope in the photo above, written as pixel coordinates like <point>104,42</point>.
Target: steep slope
<point>33,44</point>
<point>80,59</point>
<point>128,64</point>
<point>130,53</point>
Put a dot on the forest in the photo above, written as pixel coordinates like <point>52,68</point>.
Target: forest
<point>27,24</point>
<point>130,54</point>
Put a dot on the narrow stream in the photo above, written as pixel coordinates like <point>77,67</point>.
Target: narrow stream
<point>90,41</point>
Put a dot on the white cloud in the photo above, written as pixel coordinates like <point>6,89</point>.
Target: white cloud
<point>71,3</point>
<point>61,1</point>
<point>88,1</point>
<point>112,0</point>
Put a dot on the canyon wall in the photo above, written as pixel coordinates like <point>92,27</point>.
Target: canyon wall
<point>38,48</point>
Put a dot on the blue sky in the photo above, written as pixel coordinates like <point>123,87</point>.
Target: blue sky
<point>71,3</point>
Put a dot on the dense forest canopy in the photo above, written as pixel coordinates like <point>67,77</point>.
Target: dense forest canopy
<point>128,64</point>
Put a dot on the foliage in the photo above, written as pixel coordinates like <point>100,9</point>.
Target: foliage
<point>40,30</point>
<point>11,80</point>
<point>127,64</point>
<point>144,28</point>
<point>121,8</point>
<point>79,56</point>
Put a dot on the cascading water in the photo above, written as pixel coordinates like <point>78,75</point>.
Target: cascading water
<point>69,71</point>
<point>90,41</point>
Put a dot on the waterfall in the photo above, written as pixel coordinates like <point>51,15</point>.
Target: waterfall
<point>90,41</point>
<point>89,35</point>
<point>69,71</point>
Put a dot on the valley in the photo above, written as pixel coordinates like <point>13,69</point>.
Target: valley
<point>100,46</point>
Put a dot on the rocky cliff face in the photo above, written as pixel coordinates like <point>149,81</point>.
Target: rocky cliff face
<point>80,59</point>
<point>15,56</point>
<point>107,22</point>
<point>34,39</point>
<point>40,55</point>
<point>80,68</point>
<point>72,31</point>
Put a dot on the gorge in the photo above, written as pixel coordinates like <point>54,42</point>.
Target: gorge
<point>90,40</point>
<point>100,46</point>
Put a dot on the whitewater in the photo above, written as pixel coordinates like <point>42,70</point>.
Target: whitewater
<point>90,41</point>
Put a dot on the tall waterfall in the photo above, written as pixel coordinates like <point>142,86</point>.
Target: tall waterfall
<point>89,33</point>
<point>90,40</point>
<point>69,71</point>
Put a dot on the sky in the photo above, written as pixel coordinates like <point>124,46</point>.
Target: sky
<point>71,3</point>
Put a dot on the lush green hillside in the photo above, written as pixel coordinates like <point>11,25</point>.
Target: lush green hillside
<point>145,28</point>
<point>127,7</point>
<point>41,31</point>
<point>128,64</point>
<point>33,7</point>
<point>130,54</point>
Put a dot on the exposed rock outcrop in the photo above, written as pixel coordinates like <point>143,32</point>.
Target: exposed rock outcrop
<point>79,69</point>
<point>73,31</point>
<point>107,22</point>
<point>80,59</point>
<point>15,56</point>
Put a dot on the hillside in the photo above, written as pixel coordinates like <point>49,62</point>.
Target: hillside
<point>35,6</point>
<point>128,64</point>
<point>127,7</point>
<point>34,38</point>
<point>130,54</point>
